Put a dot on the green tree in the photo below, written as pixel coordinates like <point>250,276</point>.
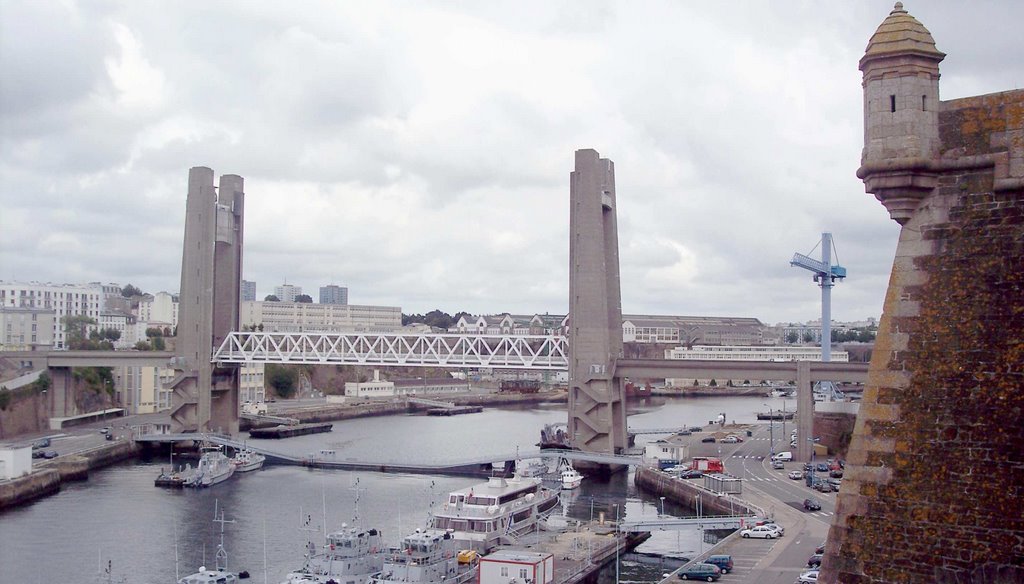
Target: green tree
<point>304,298</point>
<point>792,337</point>
<point>159,344</point>
<point>271,298</point>
<point>808,337</point>
<point>129,291</point>
<point>281,379</point>
<point>143,346</point>
<point>713,383</point>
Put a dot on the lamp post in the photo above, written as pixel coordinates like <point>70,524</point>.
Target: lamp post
<point>662,505</point>
<point>771,429</point>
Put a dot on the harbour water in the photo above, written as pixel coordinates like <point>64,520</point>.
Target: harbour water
<point>147,533</point>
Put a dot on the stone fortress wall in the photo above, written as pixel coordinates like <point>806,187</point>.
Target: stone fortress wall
<point>934,488</point>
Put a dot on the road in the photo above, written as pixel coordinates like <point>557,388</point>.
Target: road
<point>782,560</point>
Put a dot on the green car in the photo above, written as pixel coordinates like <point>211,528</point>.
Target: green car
<point>709,572</point>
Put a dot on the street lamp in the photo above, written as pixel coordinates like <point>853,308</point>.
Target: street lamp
<point>771,429</point>
<point>662,505</point>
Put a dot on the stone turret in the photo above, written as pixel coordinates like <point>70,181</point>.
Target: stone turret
<point>901,113</point>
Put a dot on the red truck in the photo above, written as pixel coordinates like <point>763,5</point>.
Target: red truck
<point>707,464</point>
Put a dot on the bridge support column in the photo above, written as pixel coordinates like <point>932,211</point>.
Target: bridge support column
<point>62,390</point>
<point>597,414</point>
<point>805,411</point>
<point>205,398</point>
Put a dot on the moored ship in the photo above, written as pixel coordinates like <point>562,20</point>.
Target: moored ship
<point>246,460</point>
<point>427,556</point>
<point>499,511</point>
<point>350,556</point>
<point>214,467</point>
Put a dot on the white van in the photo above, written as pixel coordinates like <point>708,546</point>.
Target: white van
<point>783,456</point>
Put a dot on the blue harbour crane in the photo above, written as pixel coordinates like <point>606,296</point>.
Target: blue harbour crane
<point>825,274</point>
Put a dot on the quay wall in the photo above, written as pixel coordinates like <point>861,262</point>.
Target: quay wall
<point>47,477</point>
<point>685,491</point>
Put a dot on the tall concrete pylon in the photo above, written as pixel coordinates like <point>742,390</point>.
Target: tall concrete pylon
<point>205,398</point>
<point>597,405</point>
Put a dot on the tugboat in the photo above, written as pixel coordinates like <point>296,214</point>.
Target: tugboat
<point>571,478</point>
<point>350,556</point>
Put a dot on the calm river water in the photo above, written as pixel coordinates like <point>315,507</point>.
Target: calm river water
<point>118,516</point>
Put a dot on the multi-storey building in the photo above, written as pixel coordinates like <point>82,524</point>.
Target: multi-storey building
<point>248,291</point>
<point>287,292</point>
<point>298,317</point>
<point>510,324</point>
<point>64,299</point>
<point>161,307</point>
<point>26,329</point>
<point>123,323</point>
<point>332,294</point>
<point>705,330</point>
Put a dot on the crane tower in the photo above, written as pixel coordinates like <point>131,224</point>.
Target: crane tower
<point>825,274</point>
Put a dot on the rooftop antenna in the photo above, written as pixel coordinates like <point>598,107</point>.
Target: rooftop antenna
<point>825,274</point>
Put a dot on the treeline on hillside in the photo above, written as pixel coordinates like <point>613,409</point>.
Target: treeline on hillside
<point>434,318</point>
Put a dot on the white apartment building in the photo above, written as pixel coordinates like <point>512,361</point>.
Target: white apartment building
<point>63,299</point>
<point>26,329</point>
<point>301,317</point>
<point>252,384</point>
<point>161,307</point>
<point>122,323</point>
<point>287,292</point>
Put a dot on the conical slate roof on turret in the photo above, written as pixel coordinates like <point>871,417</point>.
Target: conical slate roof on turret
<point>901,34</point>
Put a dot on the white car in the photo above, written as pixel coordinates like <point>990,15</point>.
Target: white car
<point>730,440</point>
<point>796,474</point>
<point>761,531</point>
<point>808,577</point>
<point>781,529</point>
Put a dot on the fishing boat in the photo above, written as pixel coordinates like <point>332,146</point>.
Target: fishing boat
<point>571,478</point>
<point>499,511</point>
<point>246,460</point>
<point>214,467</point>
<point>428,556</point>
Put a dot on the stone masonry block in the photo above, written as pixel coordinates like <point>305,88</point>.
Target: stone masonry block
<point>879,475</point>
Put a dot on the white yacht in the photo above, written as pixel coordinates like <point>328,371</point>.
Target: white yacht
<point>428,556</point>
<point>246,460</point>
<point>350,556</point>
<point>498,511</point>
<point>213,467</point>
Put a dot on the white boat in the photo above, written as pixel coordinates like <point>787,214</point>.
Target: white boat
<point>219,574</point>
<point>571,478</point>
<point>427,556</point>
<point>350,556</point>
<point>498,511</point>
<point>214,467</point>
<point>246,460</point>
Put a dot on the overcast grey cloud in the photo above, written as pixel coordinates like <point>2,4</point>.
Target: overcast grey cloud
<point>419,152</point>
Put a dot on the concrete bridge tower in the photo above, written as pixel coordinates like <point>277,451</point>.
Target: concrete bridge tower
<point>205,397</point>
<point>597,412</point>
<point>932,491</point>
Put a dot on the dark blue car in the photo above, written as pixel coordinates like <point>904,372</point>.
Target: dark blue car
<point>709,572</point>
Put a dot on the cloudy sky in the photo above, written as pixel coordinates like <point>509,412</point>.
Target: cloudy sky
<point>419,152</point>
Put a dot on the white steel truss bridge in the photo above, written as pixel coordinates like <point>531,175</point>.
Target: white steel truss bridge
<point>543,352</point>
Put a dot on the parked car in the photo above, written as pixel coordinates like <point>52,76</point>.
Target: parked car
<point>723,562</point>
<point>808,467</point>
<point>834,483</point>
<point>38,453</point>
<point>836,473</point>
<point>783,456</point>
<point>820,549</point>
<point>41,443</point>
<point>808,577</point>
<point>761,531</point>
<point>779,528</point>
<point>50,454</point>
<point>812,505</point>
<point>822,467</point>
<point>684,432</point>
<point>702,571</point>
<point>778,464</point>
<point>696,429</point>
<point>708,439</point>
<point>796,474</point>
<point>814,561</point>
<point>677,468</point>
<point>691,474</point>
<point>730,440</point>
<point>105,430</point>
<point>822,487</point>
